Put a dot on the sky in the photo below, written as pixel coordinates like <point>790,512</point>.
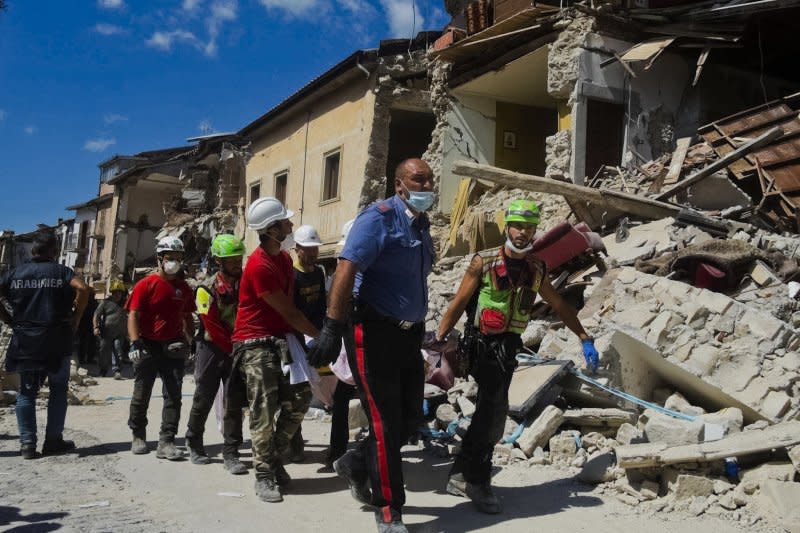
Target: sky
<point>83,80</point>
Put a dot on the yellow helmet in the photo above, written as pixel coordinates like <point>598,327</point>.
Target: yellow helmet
<point>117,285</point>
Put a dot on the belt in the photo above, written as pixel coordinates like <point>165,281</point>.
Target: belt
<point>258,341</point>
<point>368,313</point>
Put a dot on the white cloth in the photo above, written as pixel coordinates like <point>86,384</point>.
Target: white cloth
<point>299,371</point>
<point>341,368</point>
<point>219,409</point>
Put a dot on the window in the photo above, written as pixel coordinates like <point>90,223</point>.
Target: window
<point>255,192</point>
<point>83,236</point>
<point>280,186</point>
<point>330,180</point>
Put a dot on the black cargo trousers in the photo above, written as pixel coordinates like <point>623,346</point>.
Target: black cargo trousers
<point>494,361</point>
<point>212,367</point>
<point>390,379</point>
<point>159,362</point>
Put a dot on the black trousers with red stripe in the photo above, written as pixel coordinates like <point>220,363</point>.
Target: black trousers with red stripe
<point>389,376</point>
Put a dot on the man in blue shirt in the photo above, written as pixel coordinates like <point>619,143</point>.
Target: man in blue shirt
<point>46,302</point>
<point>389,249</point>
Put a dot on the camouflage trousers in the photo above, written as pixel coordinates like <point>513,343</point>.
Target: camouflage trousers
<point>277,408</point>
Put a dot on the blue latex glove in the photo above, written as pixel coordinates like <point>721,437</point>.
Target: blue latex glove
<point>590,355</point>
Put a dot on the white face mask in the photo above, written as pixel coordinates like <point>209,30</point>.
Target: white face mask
<point>510,245</point>
<point>287,243</point>
<point>171,267</point>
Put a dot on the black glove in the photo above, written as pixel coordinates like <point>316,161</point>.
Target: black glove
<point>328,344</point>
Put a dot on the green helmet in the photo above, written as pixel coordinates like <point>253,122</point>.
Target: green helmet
<point>225,245</point>
<point>525,211</point>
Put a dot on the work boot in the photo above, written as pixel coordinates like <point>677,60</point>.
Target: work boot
<point>57,446</point>
<point>358,480</point>
<point>396,525</point>
<point>28,451</point>
<point>197,452</point>
<point>481,494</point>
<point>139,446</point>
<point>234,465</point>
<point>168,450</point>
<point>282,477</point>
<point>267,490</point>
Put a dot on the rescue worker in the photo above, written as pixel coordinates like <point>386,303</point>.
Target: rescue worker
<point>161,327</point>
<point>110,326</point>
<point>310,298</point>
<point>265,317</point>
<point>47,301</point>
<point>501,284</point>
<point>216,305</point>
<point>389,249</point>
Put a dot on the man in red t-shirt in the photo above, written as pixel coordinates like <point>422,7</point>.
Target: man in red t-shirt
<point>160,327</point>
<point>266,315</point>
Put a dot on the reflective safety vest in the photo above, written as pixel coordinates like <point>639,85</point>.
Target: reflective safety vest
<point>505,306</point>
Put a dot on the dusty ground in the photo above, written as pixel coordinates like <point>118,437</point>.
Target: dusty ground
<point>102,487</point>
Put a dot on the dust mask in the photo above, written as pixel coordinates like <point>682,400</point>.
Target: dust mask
<point>419,200</point>
<point>510,245</point>
<point>171,267</point>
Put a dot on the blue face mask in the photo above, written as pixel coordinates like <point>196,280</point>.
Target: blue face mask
<point>420,201</point>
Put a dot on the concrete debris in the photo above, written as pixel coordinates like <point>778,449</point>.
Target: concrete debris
<point>672,431</point>
<point>541,430</point>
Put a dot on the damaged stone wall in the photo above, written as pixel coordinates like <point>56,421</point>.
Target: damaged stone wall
<point>563,72</point>
<point>750,353</point>
<point>400,82</point>
<point>441,104</point>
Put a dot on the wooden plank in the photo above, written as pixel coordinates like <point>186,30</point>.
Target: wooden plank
<point>723,162</point>
<point>783,435</point>
<point>629,203</point>
<point>701,61</point>
<point>676,164</point>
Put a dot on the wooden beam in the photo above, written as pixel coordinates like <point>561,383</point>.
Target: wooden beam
<point>783,435</point>
<point>628,203</point>
<point>723,162</point>
<point>676,164</point>
<point>596,417</point>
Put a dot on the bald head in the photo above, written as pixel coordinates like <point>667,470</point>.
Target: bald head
<point>413,175</point>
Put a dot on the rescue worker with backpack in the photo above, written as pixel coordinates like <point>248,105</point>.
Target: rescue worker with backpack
<point>216,304</point>
<point>498,291</point>
<point>161,327</point>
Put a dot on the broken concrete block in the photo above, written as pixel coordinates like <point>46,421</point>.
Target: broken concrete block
<point>637,316</point>
<point>783,499</point>
<point>467,407</point>
<point>698,506</point>
<point>595,417</point>
<point>469,389</point>
<point>775,404</point>
<point>599,468</point>
<point>445,414</point>
<point>727,501</point>
<point>671,431</point>
<point>762,324</point>
<point>691,486</point>
<point>518,455</point>
<point>593,439</point>
<point>713,301</point>
<point>722,487</point>
<point>676,402</point>
<point>629,434</point>
<point>659,328</point>
<point>563,446</point>
<point>762,274</point>
<point>773,470</point>
<point>540,431</point>
<point>731,420</point>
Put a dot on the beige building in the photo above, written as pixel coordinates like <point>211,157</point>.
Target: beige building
<point>326,151</point>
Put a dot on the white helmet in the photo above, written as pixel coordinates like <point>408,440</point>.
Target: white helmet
<point>264,212</point>
<point>169,244</point>
<point>306,235</point>
<point>346,231</point>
